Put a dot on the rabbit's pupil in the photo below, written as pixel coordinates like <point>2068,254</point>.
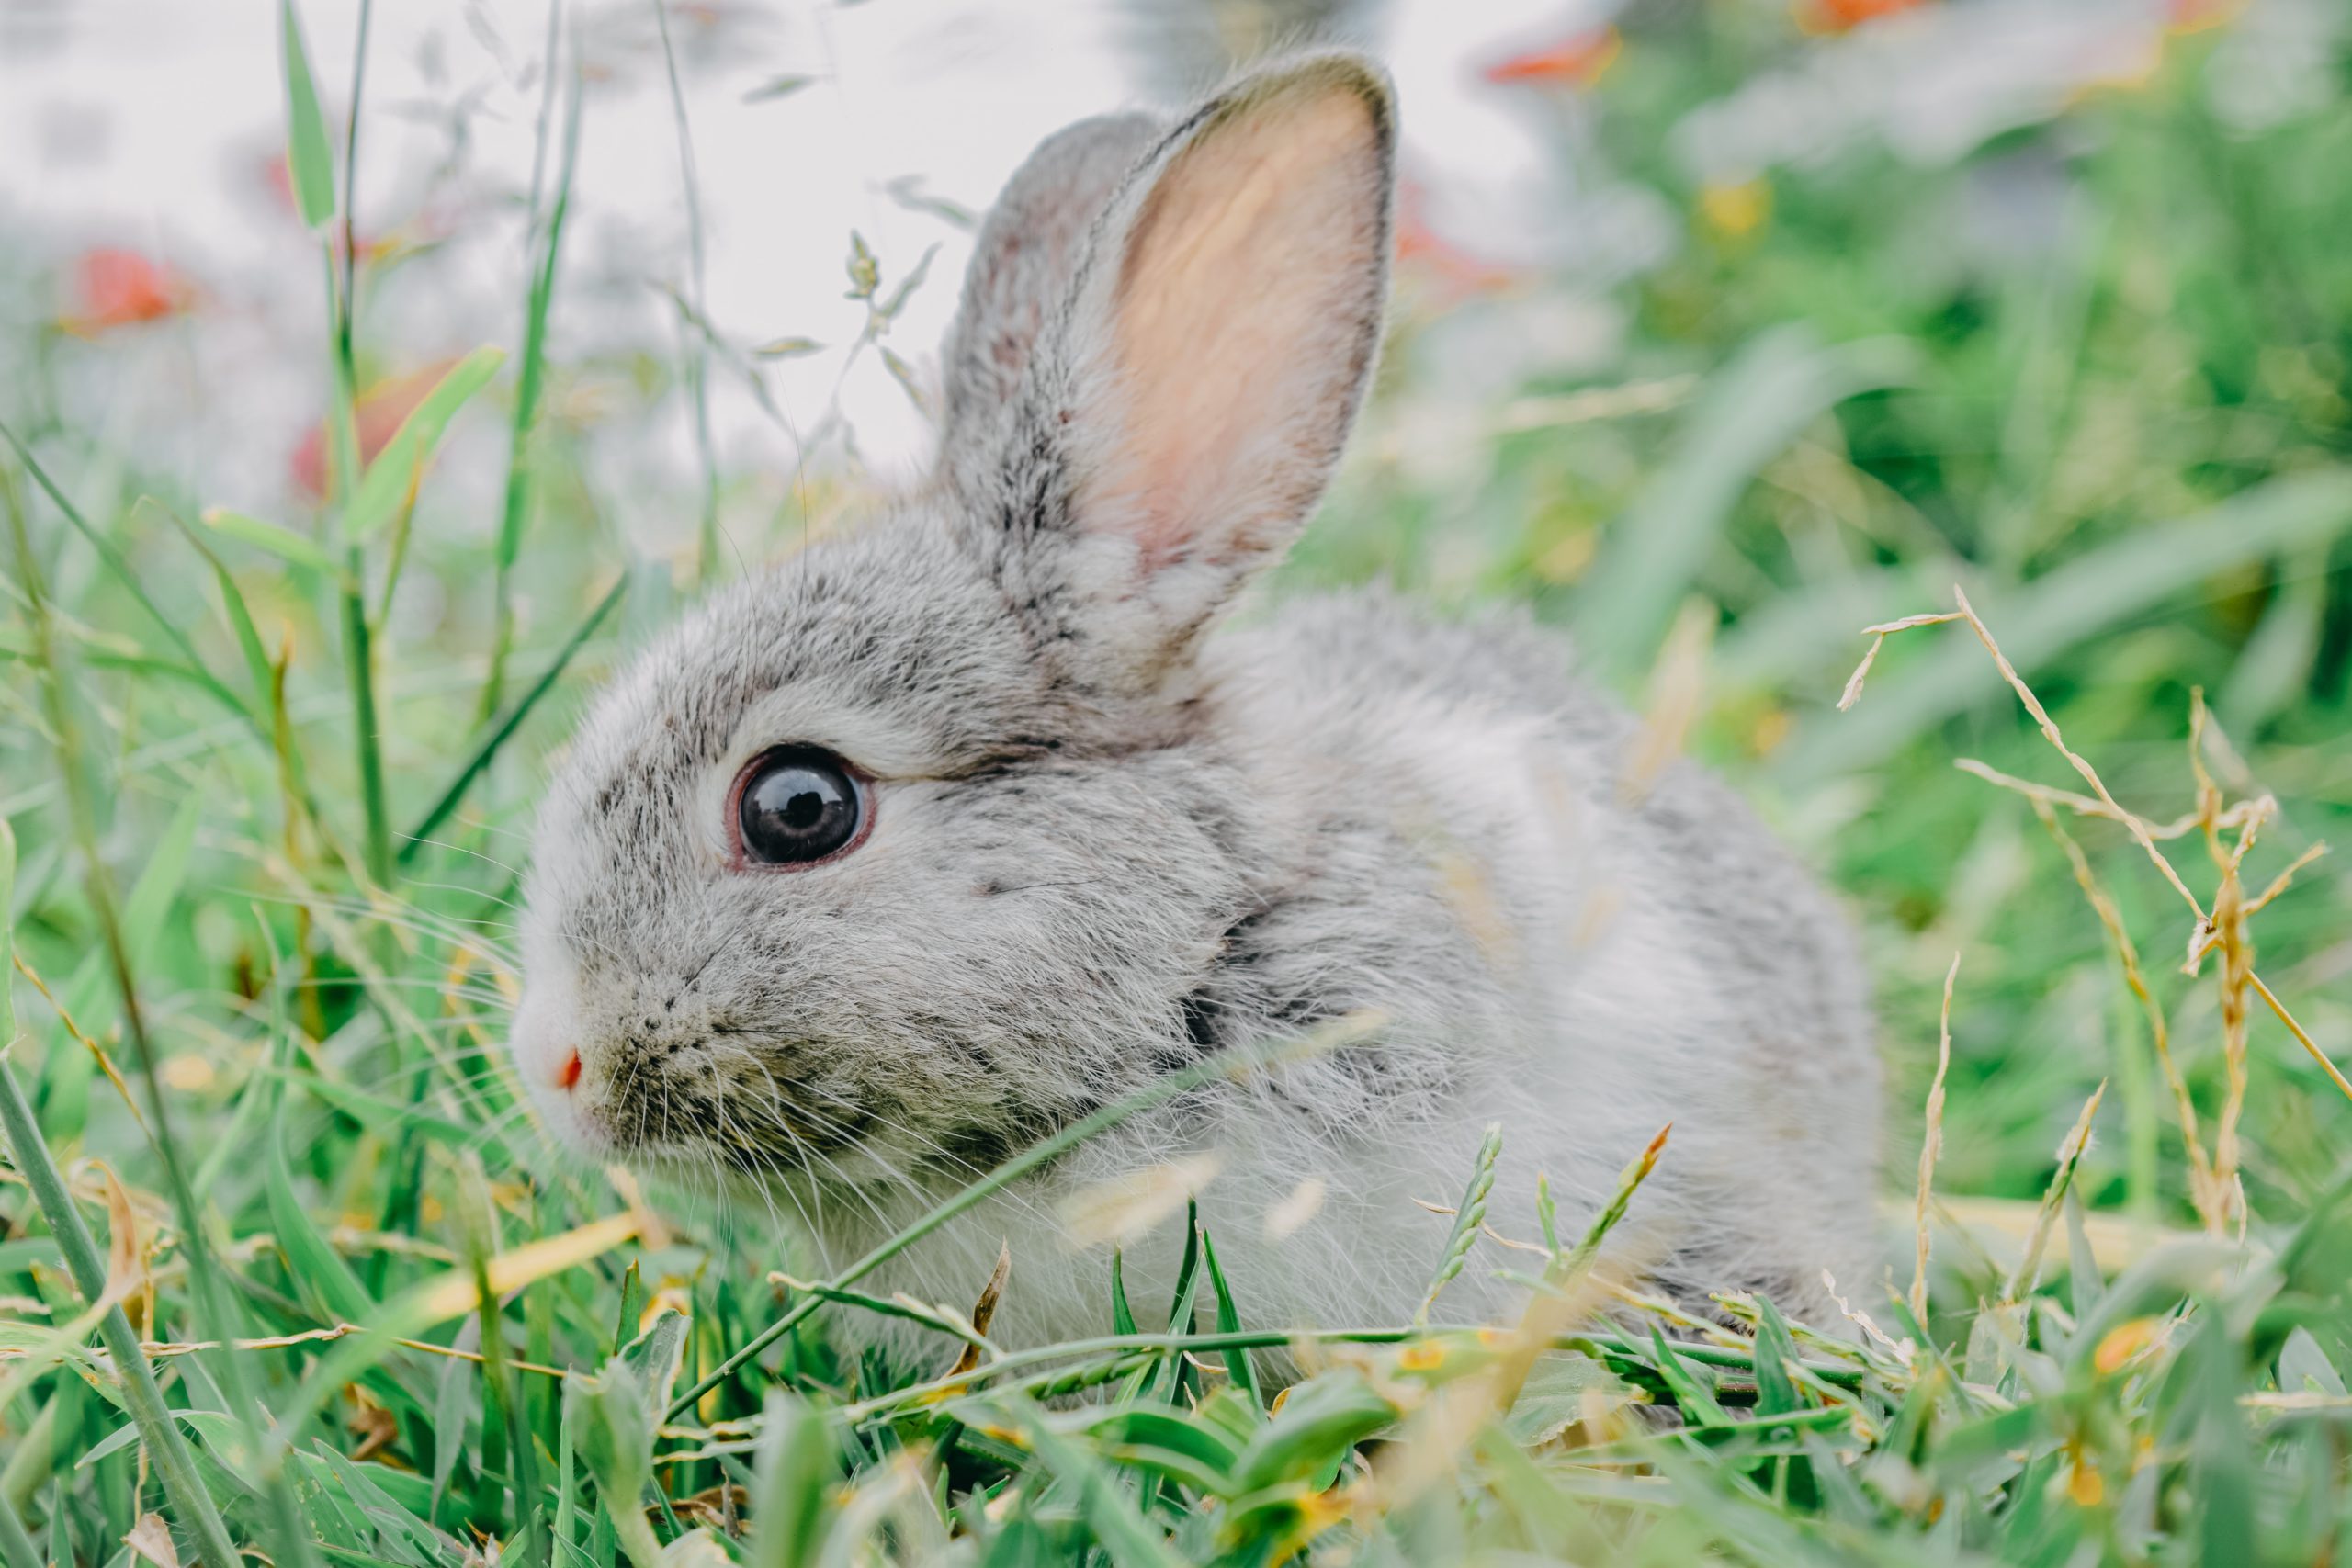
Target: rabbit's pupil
<point>799,805</point>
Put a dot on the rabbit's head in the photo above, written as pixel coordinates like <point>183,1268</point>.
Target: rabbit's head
<point>919,843</point>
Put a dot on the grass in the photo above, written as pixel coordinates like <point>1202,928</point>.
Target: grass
<point>284,1271</point>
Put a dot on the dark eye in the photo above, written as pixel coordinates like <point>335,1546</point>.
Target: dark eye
<point>799,805</point>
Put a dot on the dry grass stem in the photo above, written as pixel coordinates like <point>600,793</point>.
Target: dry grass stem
<point>2227,930</point>
<point>96,1051</point>
<point>2204,1190</point>
<point>2083,805</point>
<point>2049,727</point>
<point>1678,685</point>
<point>1930,1147</point>
<point>2027,1273</point>
<point>2284,880</point>
<point>2213,1179</point>
<point>2297,1030</point>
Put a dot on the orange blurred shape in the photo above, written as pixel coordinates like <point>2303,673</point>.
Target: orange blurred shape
<point>119,289</point>
<point>2196,15</point>
<point>376,417</point>
<point>1576,61</point>
<point>1459,272</point>
<point>1840,16</point>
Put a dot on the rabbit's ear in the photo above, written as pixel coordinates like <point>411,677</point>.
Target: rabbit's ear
<point>1023,264</point>
<point>1219,339</point>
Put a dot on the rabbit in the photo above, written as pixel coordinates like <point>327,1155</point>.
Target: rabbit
<point>958,826</point>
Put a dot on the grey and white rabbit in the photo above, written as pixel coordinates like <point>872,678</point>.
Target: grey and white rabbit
<point>953,829</point>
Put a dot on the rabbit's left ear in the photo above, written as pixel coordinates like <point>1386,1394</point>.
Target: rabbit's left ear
<point>1197,392</point>
<point>1023,262</point>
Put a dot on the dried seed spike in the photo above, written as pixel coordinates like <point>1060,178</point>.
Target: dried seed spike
<point>2285,879</point>
<point>2027,1273</point>
<point>2139,829</point>
<point>2204,1188</point>
<point>984,1310</point>
<point>2081,805</point>
<point>1854,691</point>
<point>1468,1218</point>
<point>1676,691</point>
<point>1931,1146</point>
<point>96,1051</point>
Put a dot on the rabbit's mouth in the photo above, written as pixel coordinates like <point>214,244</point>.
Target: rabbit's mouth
<point>695,1101</point>
<point>757,1128</point>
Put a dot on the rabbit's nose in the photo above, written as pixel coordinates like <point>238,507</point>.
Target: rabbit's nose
<point>568,1075</point>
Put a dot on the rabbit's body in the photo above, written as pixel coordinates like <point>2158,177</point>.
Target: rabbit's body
<point>1616,959</point>
<point>1092,845</point>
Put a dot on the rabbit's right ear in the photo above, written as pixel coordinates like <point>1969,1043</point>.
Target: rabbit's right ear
<point>1185,405</point>
<point>1022,266</point>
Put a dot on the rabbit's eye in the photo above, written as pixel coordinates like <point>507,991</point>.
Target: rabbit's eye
<point>797,806</point>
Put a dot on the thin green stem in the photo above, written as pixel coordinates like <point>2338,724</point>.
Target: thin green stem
<point>164,1445</point>
<point>350,291</point>
<point>359,658</point>
<point>214,1316</point>
<point>118,566</point>
<point>488,747</point>
<point>516,510</point>
<point>697,361</point>
<point>17,1548</point>
<point>30,1153</point>
<point>1599,1345</point>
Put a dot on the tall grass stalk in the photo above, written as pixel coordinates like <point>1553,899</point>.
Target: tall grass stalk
<point>696,356</point>
<point>547,230</point>
<point>29,1151</point>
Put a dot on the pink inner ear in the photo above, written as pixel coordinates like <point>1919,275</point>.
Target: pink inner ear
<point>1243,322</point>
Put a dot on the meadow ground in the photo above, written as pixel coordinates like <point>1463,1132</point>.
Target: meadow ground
<point>283,1266</point>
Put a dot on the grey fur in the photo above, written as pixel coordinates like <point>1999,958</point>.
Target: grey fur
<point>1105,844</point>
<point>1022,263</point>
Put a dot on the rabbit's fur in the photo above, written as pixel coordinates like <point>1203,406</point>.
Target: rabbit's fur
<point>1107,844</point>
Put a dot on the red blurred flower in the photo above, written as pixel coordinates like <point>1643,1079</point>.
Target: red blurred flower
<point>1576,61</point>
<point>425,228</point>
<point>2196,15</point>
<point>1457,271</point>
<point>376,415</point>
<point>119,289</point>
<point>1841,15</point>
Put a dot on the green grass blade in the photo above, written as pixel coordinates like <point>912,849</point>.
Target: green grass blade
<point>390,483</point>
<point>30,1154</point>
<point>2063,609</point>
<point>797,1467</point>
<point>318,1268</point>
<point>310,159</point>
<point>697,357</point>
<point>486,750</point>
<point>119,568</point>
<point>1123,1316</point>
<point>1238,1364</point>
<point>17,1548</point>
<point>1468,1215</point>
<point>233,607</point>
<point>359,669</point>
<point>1126,1536</point>
<point>1751,413</point>
<point>1227,1063</point>
<point>514,511</point>
<point>284,543</point>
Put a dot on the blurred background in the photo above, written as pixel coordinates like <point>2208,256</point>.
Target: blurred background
<point>1724,328</point>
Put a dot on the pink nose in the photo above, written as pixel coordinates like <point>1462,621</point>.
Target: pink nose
<point>568,1075</point>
